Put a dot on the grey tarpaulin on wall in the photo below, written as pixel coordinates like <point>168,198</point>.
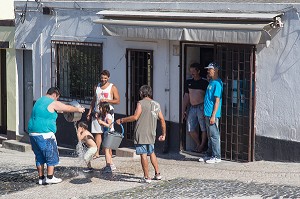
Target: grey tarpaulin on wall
<point>203,27</point>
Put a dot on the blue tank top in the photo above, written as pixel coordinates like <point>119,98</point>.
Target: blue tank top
<point>41,120</point>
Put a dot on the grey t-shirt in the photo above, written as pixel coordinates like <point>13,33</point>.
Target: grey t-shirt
<point>145,128</point>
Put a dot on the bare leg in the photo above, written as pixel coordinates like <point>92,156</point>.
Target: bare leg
<point>203,140</point>
<point>98,139</point>
<point>108,158</point>
<point>195,137</point>
<point>89,165</point>
<point>50,170</point>
<point>40,170</point>
<point>154,162</point>
<point>144,162</point>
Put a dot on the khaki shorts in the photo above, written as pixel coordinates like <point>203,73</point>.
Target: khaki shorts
<point>88,156</point>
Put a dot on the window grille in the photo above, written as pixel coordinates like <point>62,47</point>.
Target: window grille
<point>76,68</point>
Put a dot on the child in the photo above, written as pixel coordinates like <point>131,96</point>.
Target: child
<point>87,138</point>
<point>106,119</point>
<point>146,114</point>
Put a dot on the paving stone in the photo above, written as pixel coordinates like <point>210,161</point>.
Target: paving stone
<point>194,188</point>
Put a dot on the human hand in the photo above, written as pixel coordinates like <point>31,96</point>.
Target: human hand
<point>81,109</point>
<point>212,120</point>
<point>118,121</point>
<point>162,138</point>
<point>184,115</point>
<point>88,116</point>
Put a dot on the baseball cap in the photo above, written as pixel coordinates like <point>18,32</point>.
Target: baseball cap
<point>213,65</point>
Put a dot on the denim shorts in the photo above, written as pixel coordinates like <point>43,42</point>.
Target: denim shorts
<point>45,150</point>
<point>144,149</point>
<point>195,117</point>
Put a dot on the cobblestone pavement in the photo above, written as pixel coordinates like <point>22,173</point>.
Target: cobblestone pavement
<point>194,188</point>
<point>183,177</point>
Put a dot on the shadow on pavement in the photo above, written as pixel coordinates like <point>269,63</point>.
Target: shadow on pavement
<point>23,178</point>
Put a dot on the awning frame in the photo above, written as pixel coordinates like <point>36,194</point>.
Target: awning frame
<point>245,28</point>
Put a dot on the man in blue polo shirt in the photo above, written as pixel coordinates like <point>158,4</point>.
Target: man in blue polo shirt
<point>212,112</point>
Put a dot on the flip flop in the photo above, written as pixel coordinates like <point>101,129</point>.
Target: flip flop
<point>95,157</point>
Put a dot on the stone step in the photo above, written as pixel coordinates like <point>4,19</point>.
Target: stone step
<point>3,137</point>
<point>25,147</point>
<point>126,152</point>
<point>16,145</point>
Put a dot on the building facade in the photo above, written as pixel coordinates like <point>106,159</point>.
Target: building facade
<point>67,44</point>
<point>8,72</point>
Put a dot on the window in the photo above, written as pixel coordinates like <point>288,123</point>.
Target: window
<point>76,68</point>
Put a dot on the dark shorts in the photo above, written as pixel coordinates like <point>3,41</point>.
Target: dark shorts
<point>144,149</point>
<point>45,150</point>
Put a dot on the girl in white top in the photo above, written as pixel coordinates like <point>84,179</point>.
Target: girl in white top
<point>105,120</point>
<point>103,92</point>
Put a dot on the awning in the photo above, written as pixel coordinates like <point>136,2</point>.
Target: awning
<point>241,28</point>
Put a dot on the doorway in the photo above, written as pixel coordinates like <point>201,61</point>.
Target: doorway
<point>27,86</point>
<point>238,99</point>
<point>139,71</point>
<point>3,91</point>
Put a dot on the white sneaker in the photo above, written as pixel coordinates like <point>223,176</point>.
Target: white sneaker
<point>157,177</point>
<point>42,181</point>
<point>113,167</point>
<point>213,160</point>
<point>145,180</point>
<point>203,159</point>
<point>53,180</point>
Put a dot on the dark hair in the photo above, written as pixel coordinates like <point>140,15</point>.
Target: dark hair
<point>105,107</point>
<point>83,125</point>
<point>105,72</point>
<point>145,91</point>
<point>196,66</point>
<point>53,90</point>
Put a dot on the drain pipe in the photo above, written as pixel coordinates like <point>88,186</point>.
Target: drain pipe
<point>167,91</point>
<point>41,60</point>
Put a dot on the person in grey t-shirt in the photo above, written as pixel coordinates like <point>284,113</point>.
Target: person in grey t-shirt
<point>146,114</point>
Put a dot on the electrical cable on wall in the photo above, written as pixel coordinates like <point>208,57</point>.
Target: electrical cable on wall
<point>23,14</point>
<point>119,61</point>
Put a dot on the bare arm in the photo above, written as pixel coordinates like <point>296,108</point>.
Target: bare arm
<point>101,122</point>
<point>163,126</point>
<point>92,104</point>
<point>213,115</point>
<point>132,118</point>
<point>61,107</point>
<point>185,103</point>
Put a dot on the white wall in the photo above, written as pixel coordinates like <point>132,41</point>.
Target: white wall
<point>7,9</point>
<point>277,83</point>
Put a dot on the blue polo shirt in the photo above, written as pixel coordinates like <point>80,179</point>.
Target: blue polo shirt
<point>214,89</point>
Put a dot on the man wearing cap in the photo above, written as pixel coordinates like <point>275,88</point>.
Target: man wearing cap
<point>194,97</point>
<point>212,112</point>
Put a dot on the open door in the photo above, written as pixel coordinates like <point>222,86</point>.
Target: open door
<point>3,91</point>
<point>139,71</point>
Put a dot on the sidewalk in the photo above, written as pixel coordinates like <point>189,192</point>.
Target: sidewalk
<point>183,177</point>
